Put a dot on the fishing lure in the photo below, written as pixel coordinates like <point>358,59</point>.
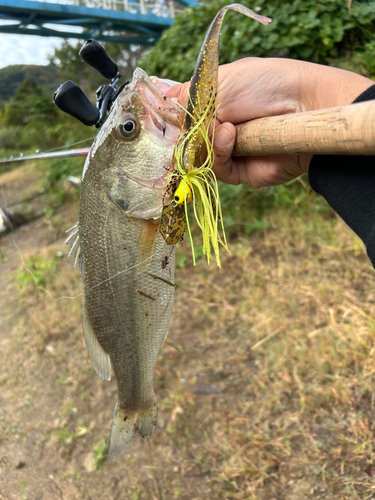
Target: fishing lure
<point>184,193</point>
<point>173,223</point>
<point>196,180</point>
<point>198,184</point>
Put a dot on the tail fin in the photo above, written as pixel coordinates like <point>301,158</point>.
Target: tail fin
<point>124,427</point>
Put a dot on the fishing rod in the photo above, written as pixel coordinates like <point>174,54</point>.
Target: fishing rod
<point>48,155</point>
<point>70,99</point>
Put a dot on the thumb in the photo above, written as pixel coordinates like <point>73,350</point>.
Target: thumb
<point>224,140</point>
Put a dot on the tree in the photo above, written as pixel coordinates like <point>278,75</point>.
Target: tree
<point>31,121</point>
<point>70,66</point>
<point>32,104</point>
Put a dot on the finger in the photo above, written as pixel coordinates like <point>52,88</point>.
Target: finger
<point>224,140</point>
<point>162,85</point>
<point>179,92</point>
<point>265,171</point>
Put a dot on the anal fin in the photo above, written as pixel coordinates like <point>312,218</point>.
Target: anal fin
<point>100,360</point>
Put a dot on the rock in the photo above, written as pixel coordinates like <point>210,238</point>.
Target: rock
<point>89,462</point>
<point>18,215</point>
<point>70,184</point>
<point>4,222</point>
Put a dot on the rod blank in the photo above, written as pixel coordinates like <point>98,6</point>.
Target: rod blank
<point>346,130</point>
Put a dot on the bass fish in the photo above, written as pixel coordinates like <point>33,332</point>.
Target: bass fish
<point>127,267</point>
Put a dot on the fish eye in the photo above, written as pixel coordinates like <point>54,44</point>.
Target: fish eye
<point>129,128</point>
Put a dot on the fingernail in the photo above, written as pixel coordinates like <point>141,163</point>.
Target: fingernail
<point>223,138</point>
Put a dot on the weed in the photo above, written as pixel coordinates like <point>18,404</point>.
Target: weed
<point>37,270</point>
<point>137,494</point>
<point>63,379</point>
<point>71,472</point>
<point>100,451</point>
<point>69,438</point>
<point>256,225</point>
<point>69,409</point>
<point>181,260</point>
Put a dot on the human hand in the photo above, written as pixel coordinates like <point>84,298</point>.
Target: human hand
<point>255,88</point>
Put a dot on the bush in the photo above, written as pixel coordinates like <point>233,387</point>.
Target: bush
<point>325,32</point>
<point>60,169</point>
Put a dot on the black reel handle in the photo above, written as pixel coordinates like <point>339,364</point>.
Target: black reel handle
<point>70,99</point>
<point>94,54</point>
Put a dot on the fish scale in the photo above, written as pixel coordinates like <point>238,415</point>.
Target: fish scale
<point>102,301</point>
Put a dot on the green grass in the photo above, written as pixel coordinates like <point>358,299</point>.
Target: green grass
<point>37,271</point>
<point>100,451</point>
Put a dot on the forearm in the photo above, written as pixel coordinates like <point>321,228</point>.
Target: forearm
<point>256,87</point>
<point>326,87</point>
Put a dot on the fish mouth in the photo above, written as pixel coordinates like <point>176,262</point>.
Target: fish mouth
<point>160,108</point>
<point>142,193</point>
<point>158,183</point>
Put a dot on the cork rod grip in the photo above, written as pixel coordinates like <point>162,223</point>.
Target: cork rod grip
<point>346,130</point>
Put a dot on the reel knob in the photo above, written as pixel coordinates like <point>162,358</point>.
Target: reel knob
<point>70,99</point>
<point>94,54</point>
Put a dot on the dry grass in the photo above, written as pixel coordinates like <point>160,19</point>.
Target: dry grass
<point>22,182</point>
<point>289,329</point>
<point>265,382</point>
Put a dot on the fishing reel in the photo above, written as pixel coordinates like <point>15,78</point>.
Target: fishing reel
<point>70,99</point>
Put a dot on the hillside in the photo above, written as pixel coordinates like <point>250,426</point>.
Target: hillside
<point>12,76</point>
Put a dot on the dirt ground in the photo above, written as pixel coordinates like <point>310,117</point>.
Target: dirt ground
<point>265,382</point>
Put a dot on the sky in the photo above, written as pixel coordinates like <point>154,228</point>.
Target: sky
<point>26,49</point>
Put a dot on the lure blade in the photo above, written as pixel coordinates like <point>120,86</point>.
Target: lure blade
<point>172,223</point>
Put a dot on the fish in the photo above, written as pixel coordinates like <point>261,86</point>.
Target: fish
<point>126,265</point>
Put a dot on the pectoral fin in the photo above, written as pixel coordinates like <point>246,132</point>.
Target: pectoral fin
<point>136,199</point>
<point>100,360</point>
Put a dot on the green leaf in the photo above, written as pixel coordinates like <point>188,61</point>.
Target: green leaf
<point>302,29</point>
